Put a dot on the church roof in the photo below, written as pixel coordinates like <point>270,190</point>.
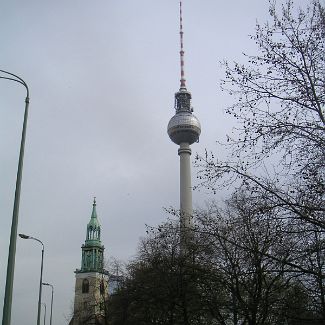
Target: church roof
<point>94,223</point>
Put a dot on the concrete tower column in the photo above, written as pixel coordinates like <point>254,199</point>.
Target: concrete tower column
<point>184,153</point>
<point>184,129</point>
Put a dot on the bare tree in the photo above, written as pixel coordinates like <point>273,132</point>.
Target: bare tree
<point>257,262</point>
<point>277,150</point>
<point>227,274</point>
<point>280,113</point>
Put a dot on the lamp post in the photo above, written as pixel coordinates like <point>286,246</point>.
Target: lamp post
<point>48,284</point>
<point>41,277</point>
<point>6,316</point>
<point>44,304</point>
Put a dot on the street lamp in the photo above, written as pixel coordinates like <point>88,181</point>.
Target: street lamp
<point>41,277</point>
<point>44,304</point>
<point>48,284</point>
<point>6,315</point>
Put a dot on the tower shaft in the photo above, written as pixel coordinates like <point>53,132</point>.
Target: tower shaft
<point>186,209</point>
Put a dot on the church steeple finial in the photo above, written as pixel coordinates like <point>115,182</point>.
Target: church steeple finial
<point>94,212</point>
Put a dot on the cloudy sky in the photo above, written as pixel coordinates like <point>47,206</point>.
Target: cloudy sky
<point>102,78</point>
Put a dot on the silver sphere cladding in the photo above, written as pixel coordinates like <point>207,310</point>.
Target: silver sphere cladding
<point>184,127</point>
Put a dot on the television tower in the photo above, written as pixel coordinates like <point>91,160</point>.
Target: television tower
<point>184,129</point>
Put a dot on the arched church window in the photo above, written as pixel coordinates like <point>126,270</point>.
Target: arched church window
<point>102,287</point>
<point>90,232</point>
<point>85,286</point>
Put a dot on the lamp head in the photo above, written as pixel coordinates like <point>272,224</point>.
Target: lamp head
<point>24,236</point>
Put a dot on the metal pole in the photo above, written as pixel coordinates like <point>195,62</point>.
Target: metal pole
<point>44,304</point>
<point>51,305</point>
<point>49,284</point>
<point>41,277</point>
<point>6,316</point>
<point>40,291</point>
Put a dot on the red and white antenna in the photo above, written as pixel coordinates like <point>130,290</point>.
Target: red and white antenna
<point>183,80</point>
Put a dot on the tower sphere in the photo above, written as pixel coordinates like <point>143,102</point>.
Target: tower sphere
<point>184,127</point>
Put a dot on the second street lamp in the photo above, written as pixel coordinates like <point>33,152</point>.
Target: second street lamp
<point>48,284</point>
<point>41,277</point>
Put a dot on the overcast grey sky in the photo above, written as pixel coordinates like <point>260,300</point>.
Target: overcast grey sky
<point>102,78</point>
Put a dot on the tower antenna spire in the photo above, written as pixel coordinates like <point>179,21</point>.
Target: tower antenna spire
<point>181,33</point>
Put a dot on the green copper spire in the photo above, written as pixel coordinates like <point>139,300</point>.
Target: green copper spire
<point>93,228</point>
<point>92,250</point>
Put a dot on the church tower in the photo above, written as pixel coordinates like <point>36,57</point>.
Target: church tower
<point>91,289</point>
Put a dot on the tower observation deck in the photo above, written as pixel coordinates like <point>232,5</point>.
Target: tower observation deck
<point>184,129</point>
